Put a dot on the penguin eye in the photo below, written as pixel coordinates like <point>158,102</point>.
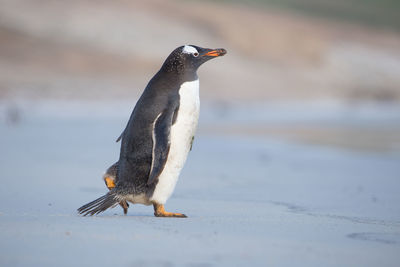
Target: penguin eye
<point>195,54</point>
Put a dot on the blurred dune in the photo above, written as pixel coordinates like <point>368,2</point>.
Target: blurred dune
<point>110,49</point>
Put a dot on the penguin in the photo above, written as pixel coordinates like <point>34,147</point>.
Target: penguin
<point>158,136</point>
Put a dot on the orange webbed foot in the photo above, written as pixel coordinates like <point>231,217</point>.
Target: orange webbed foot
<point>159,211</point>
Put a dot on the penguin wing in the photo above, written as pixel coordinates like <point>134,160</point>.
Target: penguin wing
<point>161,143</point>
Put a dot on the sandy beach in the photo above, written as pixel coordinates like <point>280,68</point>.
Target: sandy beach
<point>297,157</point>
<point>251,198</point>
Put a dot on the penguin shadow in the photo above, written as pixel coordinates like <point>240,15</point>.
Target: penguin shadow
<point>120,215</point>
<point>134,215</point>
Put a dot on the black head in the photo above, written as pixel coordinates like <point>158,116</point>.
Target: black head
<point>187,59</point>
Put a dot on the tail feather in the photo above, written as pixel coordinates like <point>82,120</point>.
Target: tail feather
<point>99,205</point>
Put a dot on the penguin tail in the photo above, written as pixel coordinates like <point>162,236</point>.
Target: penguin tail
<point>99,205</point>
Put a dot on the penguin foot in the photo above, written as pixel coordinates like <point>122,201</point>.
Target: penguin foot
<point>124,206</point>
<point>159,211</point>
<point>109,182</point>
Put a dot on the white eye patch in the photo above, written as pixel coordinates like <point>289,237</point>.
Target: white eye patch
<point>187,49</point>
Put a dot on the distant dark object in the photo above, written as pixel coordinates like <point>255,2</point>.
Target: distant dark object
<point>13,115</point>
<point>158,136</point>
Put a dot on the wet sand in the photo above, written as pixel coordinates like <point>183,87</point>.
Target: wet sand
<point>251,199</point>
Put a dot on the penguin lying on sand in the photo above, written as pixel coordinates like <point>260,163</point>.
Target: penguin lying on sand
<point>158,136</point>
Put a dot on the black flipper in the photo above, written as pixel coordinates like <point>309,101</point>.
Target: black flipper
<point>161,143</point>
<point>99,205</point>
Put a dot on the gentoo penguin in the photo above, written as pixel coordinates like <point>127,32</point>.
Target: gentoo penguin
<point>158,136</point>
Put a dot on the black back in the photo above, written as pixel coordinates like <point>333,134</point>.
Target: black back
<point>161,95</point>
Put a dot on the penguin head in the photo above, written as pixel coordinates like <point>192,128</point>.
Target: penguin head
<point>188,58</point>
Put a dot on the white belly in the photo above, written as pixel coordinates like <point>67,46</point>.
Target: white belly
<point>182,133</point>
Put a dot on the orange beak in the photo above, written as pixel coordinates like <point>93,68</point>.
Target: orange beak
<point>216,53</point>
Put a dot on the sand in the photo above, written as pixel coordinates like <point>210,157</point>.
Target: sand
<point>251,199</point>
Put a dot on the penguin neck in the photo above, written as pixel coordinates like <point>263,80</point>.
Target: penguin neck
<point>180,70</point>
<point>180,76</point>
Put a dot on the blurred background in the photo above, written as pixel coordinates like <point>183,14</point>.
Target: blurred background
<point>300,58</point>
<point>297,156</point>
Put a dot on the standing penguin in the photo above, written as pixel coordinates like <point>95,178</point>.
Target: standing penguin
<point>158,136</point>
